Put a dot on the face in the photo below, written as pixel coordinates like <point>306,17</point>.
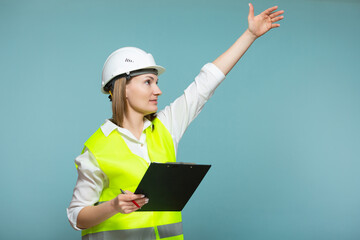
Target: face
<point>142,94</point>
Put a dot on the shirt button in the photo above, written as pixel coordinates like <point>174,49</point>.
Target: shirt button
<point>142,145</point>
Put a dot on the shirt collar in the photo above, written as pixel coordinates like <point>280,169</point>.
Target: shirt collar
<point>109,126</point>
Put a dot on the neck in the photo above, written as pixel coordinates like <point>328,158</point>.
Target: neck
<point>134,122</point>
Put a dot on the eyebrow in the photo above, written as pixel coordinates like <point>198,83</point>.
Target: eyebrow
<point>152,78</point>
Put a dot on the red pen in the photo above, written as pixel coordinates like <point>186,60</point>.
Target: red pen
<point>123,192</point>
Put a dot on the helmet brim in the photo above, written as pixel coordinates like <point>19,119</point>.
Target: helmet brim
<point>160,70</point>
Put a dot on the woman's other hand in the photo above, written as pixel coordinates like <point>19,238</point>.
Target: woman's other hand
<point>93,215</point>
<point>260,24</point>
<point>123,202</point>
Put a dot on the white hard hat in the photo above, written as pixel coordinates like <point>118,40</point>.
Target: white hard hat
<point>126,60</point>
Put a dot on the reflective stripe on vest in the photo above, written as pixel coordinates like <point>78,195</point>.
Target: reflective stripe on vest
<point>128,234</point>
<point>170,230</point>
<point>165,231</point>
<point>125,170</point>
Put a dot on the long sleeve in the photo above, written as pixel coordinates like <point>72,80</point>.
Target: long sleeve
<point>178,115</point>
<point>91,180</point>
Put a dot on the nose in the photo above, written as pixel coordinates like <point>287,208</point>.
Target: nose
<point>157,90</point>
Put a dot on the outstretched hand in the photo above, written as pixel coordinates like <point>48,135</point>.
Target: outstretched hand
<point>262,23</point>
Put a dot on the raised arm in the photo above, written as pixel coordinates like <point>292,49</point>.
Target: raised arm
<point>258,26</point>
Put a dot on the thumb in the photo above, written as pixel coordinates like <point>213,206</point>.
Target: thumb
<point>251,11</point>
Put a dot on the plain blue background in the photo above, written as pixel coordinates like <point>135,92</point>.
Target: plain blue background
<point>282,132</point>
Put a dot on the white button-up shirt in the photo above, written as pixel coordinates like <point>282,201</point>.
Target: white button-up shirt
<point>176,118</point>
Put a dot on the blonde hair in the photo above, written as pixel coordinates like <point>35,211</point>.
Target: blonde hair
<point>119,106</point>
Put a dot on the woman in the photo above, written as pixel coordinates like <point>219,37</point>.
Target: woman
<point>118,154</point>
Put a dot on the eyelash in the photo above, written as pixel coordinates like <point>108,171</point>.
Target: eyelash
<point>148,82</point>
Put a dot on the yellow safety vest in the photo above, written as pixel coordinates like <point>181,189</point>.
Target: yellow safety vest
<point>125,170</point>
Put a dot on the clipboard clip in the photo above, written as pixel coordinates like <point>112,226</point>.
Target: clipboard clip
<point>173,164</point>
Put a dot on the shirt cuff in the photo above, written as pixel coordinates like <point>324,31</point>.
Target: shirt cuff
<point>214,70</point>
<point>72,216</point>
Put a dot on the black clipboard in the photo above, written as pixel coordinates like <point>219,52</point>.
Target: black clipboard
<point>169,186</point>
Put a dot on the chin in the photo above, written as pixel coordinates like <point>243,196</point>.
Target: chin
<point>151,112</point>
<point>154,110</point>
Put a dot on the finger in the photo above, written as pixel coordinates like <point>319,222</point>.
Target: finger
<point>277,19</point>
<point>277,13</point>
<point>130,197</point>
<point>275,25</point>
<point>251,11</point>
<point>269,10</point>
<point>138,196</point>
<point>130,209</point>
<point>127,211</point>
<point>142,202</point>
<point>125,207</point>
